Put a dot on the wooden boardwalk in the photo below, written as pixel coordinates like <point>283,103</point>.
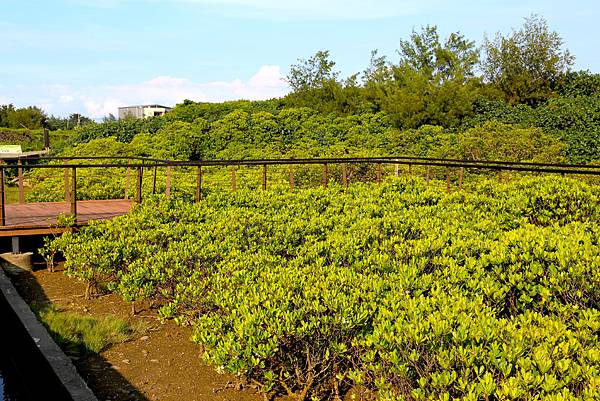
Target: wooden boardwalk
<point>40,218</point>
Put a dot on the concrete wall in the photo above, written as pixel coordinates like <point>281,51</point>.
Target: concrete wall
<point>155,111</point>
<point>142,111</point>
<point>131,112</point>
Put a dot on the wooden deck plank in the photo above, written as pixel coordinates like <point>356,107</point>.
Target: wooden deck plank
<point>34,218</point>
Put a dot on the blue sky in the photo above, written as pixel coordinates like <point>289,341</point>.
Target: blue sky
<point>91,56</point>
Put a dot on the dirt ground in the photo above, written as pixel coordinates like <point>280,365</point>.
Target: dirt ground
<point>159,364</point>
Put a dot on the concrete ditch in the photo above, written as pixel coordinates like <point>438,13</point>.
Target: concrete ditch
<point>43,371</point>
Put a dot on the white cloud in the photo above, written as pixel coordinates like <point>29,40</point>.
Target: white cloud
<point>99,101</point>
<point>96,108</point>
<point>66,99</point>
<point>268,76</point>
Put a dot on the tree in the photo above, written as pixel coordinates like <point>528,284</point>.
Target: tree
<point>177,140</point>
<point>315,84</point>
<point>27,117</point>
<point>526,65</point>
<point>312,73</point>
<point>379,69</point>
<point>456,58</point>
<point>579,83</point>
<point>434,82</point>
<point>108,118</point>
<point>5,111</point>
<point>73,121</point>
<point>77,120</point>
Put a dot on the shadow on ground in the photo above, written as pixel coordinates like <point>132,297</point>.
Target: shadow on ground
<point>100,375</point>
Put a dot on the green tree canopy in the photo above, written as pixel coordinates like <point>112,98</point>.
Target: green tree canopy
<point>434,82</point>
<point>424,52</point>
<point>31,117</point>
<point>312,73</point>
<point>526,65</point>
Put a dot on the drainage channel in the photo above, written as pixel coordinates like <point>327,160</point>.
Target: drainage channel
<point>9,391</point>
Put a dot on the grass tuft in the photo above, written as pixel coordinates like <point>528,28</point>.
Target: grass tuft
<point>78,335</point>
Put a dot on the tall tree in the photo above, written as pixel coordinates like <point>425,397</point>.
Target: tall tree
<point>27,117</point>
<point>434,82</point>
<point>312,73</point>
<point>423,52</point>
<point>527,64</point>
<point>5,111</point>
<point>315,84</point>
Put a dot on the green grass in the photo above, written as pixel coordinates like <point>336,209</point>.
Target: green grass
<point>78,335</point>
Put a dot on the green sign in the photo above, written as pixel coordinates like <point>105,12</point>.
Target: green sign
<point>10,149</point>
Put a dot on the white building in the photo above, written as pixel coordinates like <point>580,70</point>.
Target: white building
<point>143,111</point>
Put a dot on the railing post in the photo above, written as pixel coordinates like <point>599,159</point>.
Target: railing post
<point>74,193</point>
<point>460,178</point>
<point>344,175</point>
<point>396,169</point>
<point>67,189</point>
<point>2,198</point>
<point>291,177</point>
<point>410,169</point>
<point>233,180</point>
<point>264,177</point>
<point>20,178</point>
<point>138,192</point>
<point>154,178</point>
<point>168,182</point>
<point>448,188</point>
<point>199,184</point>
<point>428,173</point>
<point>46,139</point>
<point>127,180</point>
<point>325,175</point>
<point>378,173</point>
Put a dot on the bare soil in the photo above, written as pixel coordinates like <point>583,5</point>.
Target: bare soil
<point>158,364</point>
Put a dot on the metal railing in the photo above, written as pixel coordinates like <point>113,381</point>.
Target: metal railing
<point>139,164</point>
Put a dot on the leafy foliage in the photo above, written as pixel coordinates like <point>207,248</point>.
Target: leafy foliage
<point>402,289</point>
<point>312,73</point>
<point>31,117</point>
<point>189,111</point>
<point>528,64</point>
<point>123,130</point>
<point>292,133</point>
<point>573,120</point>
<point>496,141</point>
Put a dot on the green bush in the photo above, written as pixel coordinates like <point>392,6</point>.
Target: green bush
<point>400,288</point>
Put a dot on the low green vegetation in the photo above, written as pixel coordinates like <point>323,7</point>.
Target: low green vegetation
<point>485,294</point>
<point>79,335</point>
<point>489,293</point>
<point>293,133</point>
<point>34,139</point>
